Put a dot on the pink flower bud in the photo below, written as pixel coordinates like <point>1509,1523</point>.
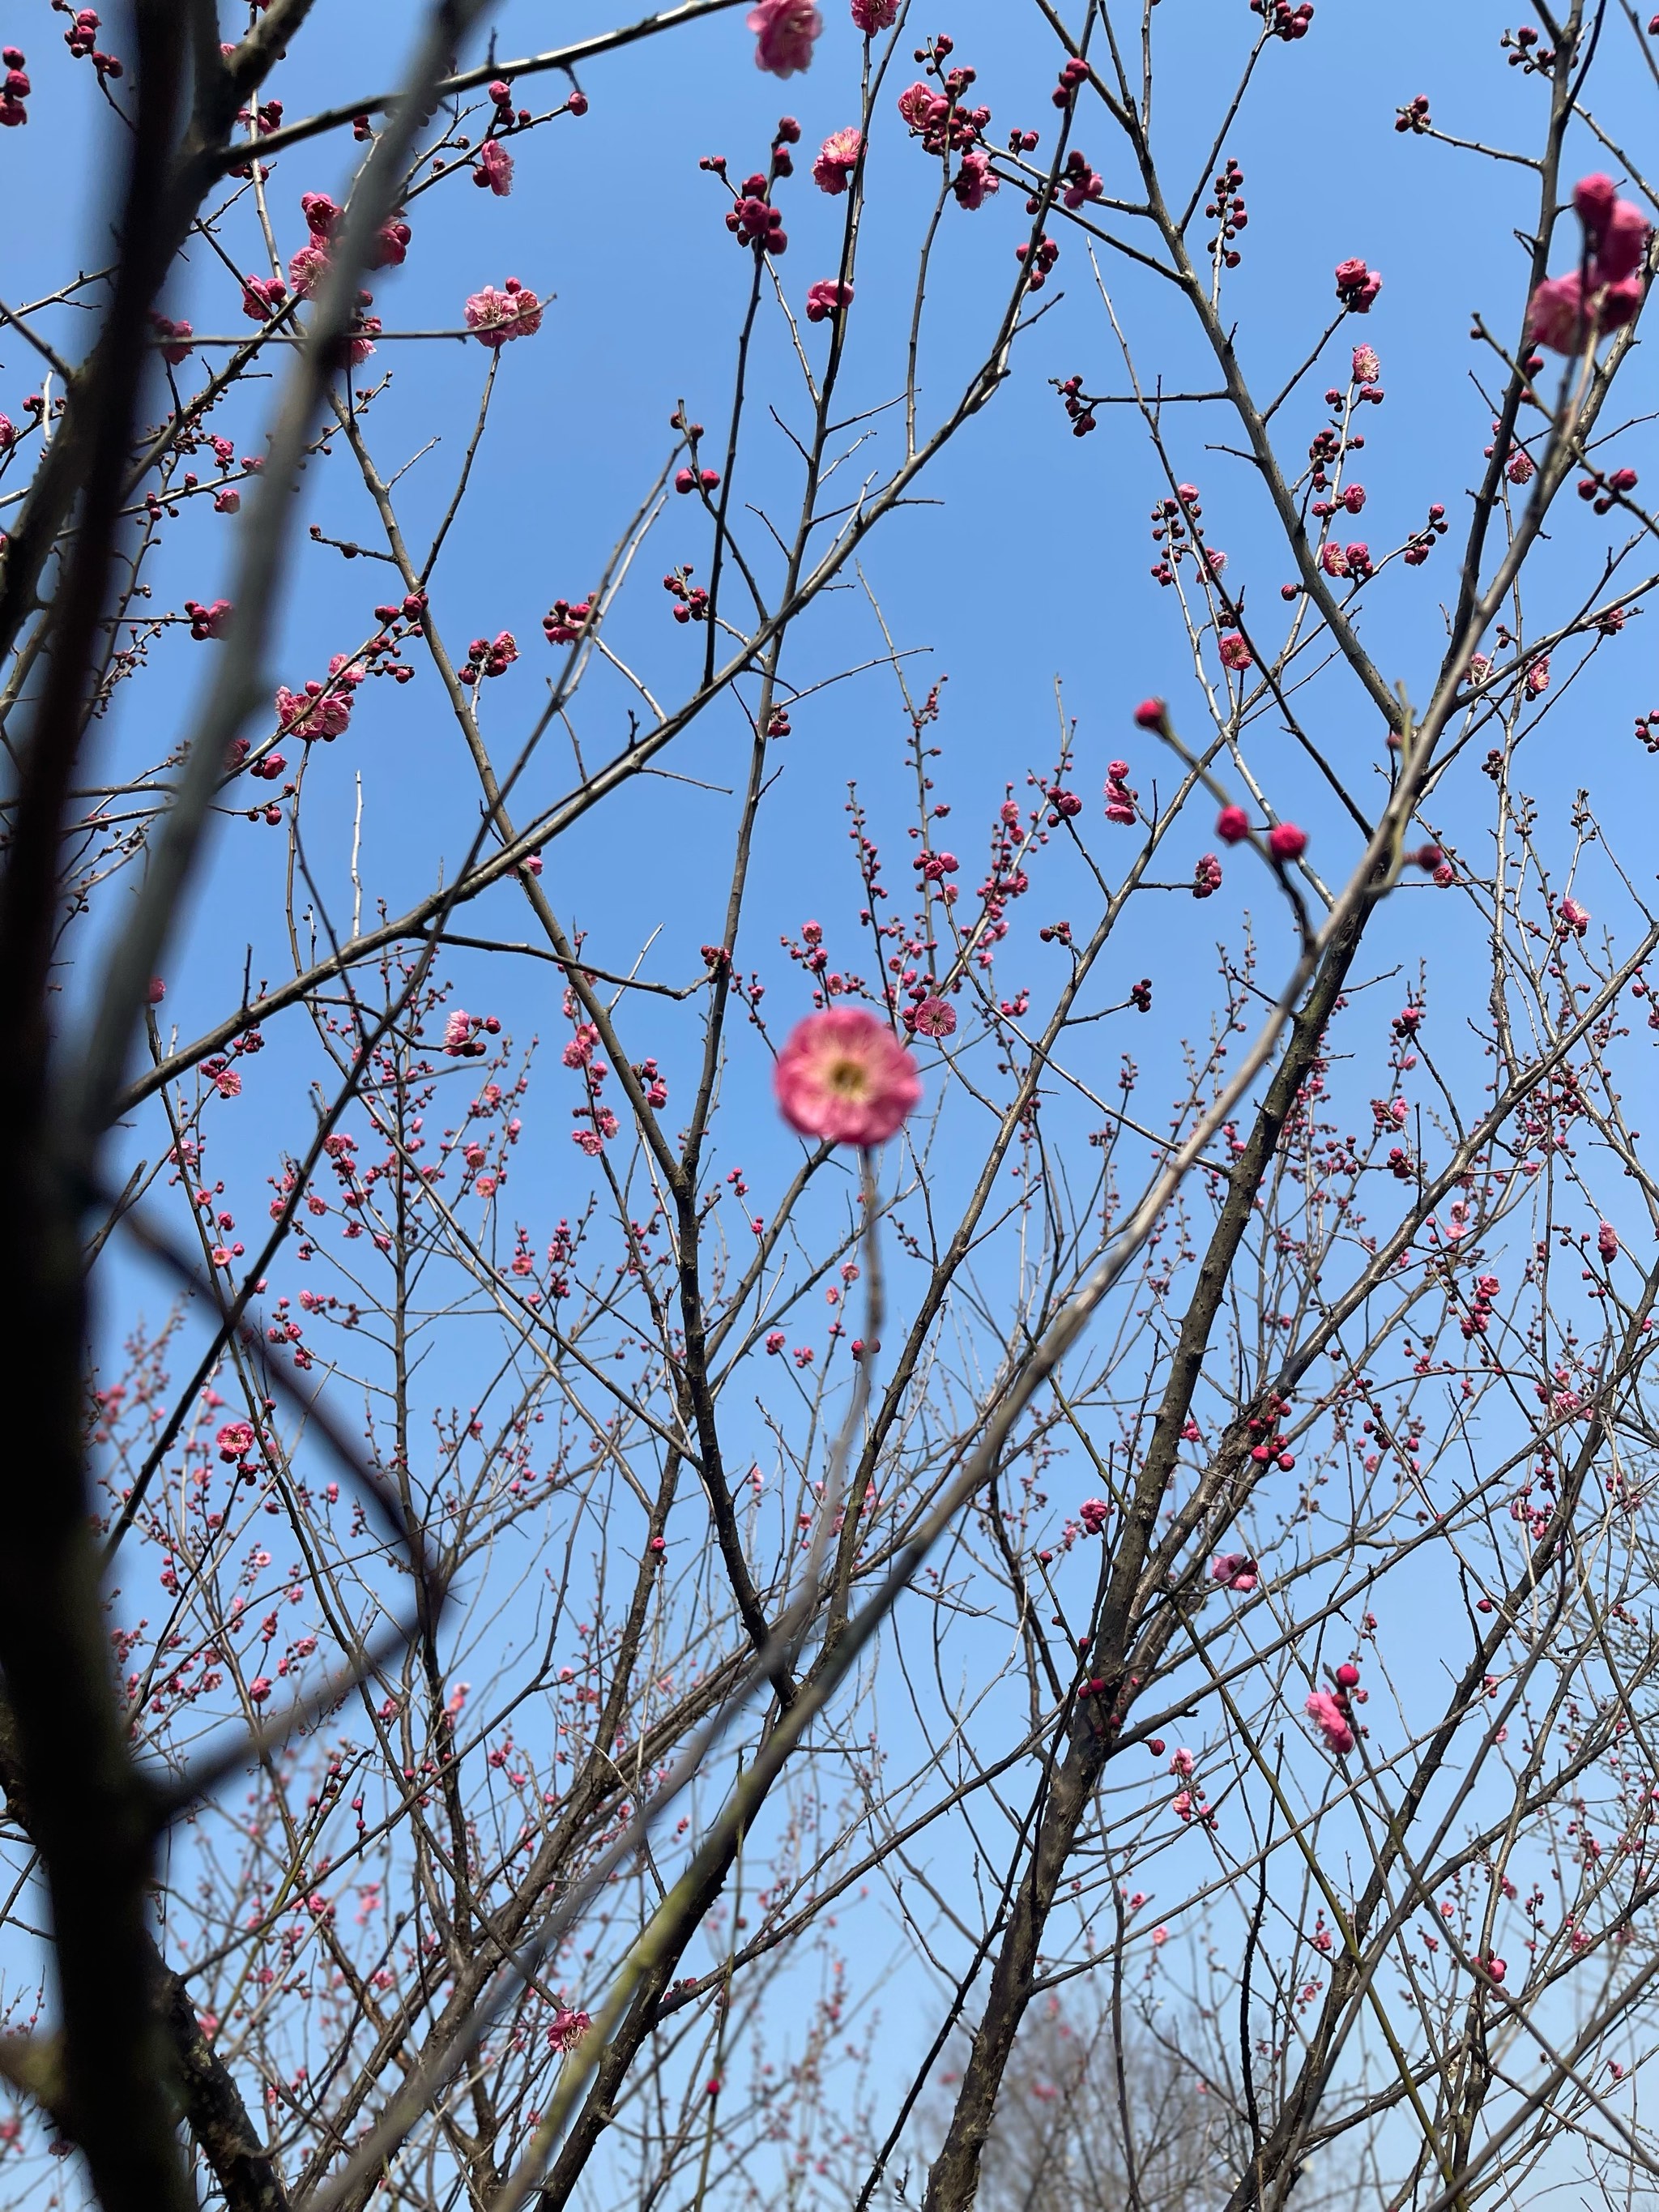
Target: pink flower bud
<point>1286,842</point>
<point>1595,196</point>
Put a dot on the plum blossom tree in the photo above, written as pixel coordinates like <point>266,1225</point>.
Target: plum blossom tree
<point>956,1511</point>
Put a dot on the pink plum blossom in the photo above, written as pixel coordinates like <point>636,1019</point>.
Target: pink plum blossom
<point>320,710</point>
<point>262,297</point>
<point>786,32</point>
<point>567,2028</point>
<point>1330,1717</point>
<point>1235,1571</point>
<point>873,15</point>
<point>391,245</point>
<point>1566,311</point>
<point>175,347</point>
<point>976,180</point>
<point>1570,918</point>
<point>1357,286</point>
<point>1556,315</point>
<point>837,159</point>
<point>826,298</point>
<point>494,316</point>
<point>935,1018</point>
<point>1595,198</point>
<point>493,171</point>
<point>844,1076</point>
<point>1616,230</point>
<point>1206,876</point>
<point>307,268</point>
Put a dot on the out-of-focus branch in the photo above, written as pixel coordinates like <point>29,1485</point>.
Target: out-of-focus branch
<point>557,57</point>
<point>92,1823</point>
<point>213,2110</point>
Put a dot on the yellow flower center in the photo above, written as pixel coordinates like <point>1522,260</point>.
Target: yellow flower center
<point>848,1077</point>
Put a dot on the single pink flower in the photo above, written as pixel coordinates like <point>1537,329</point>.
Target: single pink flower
<point>494,169</point>
<point>1615,231</point>
<point>1595,198</point>
<point>1286,842</point>
<point>827,298</point>
<point>1182,1762</point>
<point>1556,315</point>
<point>494,316</point>
<point>921,107</point>
<point>976,180</point>
<point>1235,1571</point>
<point>307,268</point>
<point>837,159</point>
<point>1570,918</point>
<point>1325,1709</point>
<point>1234,653</point>
<point>1622,244</point>
<point>567,2028</point>
<point>1366,365</point>
<point>936,1017</point>
<point>1232,825</point>
<point>1332,560</point>
<point>844,1076</point>
<point>786,32</point>
<point>873,15</point>
<point>1607,1241</point>
<point>1620,304</point>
